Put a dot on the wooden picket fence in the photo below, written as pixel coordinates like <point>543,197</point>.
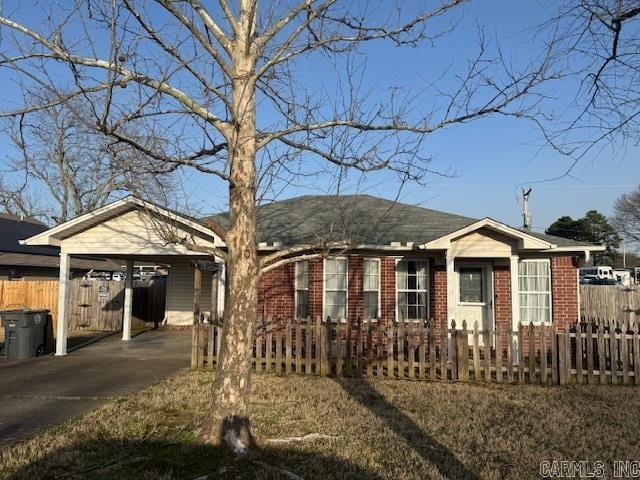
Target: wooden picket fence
<point>604,353</point>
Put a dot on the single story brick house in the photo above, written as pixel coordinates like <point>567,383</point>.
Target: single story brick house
<point>352,257</point>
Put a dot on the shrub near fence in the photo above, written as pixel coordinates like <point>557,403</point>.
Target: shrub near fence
<point>606,353</point>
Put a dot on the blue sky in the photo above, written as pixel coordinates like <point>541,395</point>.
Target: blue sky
<point>492,157</point>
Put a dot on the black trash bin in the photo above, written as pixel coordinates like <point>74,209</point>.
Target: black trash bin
<point>27,333</point>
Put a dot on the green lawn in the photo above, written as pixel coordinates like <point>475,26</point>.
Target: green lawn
<point>378,429</point>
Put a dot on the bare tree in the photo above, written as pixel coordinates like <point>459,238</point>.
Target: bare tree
<point>599,41</point>
<point>221,87</point>
<point>61,168</point>
<point>626,215</point>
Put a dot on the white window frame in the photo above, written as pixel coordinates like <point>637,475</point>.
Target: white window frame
<point>550,293</point>
<point>378,288</point>
<point>324,289</point>
<point>296,287</point>
<point>427,292</point>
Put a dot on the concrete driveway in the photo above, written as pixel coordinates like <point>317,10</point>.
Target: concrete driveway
<point>45,391</point>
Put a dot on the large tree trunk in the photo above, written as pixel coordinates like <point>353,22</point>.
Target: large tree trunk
<point>229,418</point>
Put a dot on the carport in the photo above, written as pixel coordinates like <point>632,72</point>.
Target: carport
<point>132,230</point>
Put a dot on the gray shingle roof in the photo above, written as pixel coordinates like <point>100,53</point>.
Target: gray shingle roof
<point>559,241</point>
<point>370,220</point>
<point>13,229</point>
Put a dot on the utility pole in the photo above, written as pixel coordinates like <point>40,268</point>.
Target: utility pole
<point>526,216</point>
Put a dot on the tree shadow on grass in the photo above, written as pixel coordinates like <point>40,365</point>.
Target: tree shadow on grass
<point>403,426</point>
<point>145,460</point>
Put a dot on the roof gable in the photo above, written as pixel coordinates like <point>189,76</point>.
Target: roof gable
<point>120,209</point>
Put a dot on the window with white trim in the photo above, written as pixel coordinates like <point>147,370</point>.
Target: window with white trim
<point>371,287</point>
<point>302,289</point>
<point>335,288</point>
<point>411,289</point>
<point>534,283</point>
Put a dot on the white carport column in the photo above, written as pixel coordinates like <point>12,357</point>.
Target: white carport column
<point>515,293</point>
<point>451,289</point>
<point>515,304</point>
<point>128,302</point>
<point>63,305</point>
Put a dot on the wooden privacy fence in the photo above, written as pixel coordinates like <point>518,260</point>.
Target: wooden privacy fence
<point>33,294</point>
<point>609,302</point>
<point>93,305</point>
<point>605,353</point>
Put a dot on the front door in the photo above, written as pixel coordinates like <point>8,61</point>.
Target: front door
<point>475,296</point>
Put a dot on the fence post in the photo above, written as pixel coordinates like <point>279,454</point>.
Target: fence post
<point>390,343</point>
<point>579,376</point>
<point>589,335</point>
<point>602,359</point>
<point>421,349</point>
<point>269,346</point>
<point>510,352</point>
<point>462,346</point>
<point>288,345</point>
<point>554,355</point>
<point>532,354</point>
<point>624,351</point>
<point>614,351</point>
<point>454,351</point>
<point>562,357</point>
<point>401,348</point>
<point>476,353</point>
<point>636,355</point>
<point>498,355</point>
<point>298,322</point>
<point>379,350</point>
<point>326,350</point>
<point>411,352</point>
<point>432,349</point>
<point>567,340</point>
<point>279,346</point>
<point>369,349</point>
<point>210,338</point>
<point>543,354</point>
<point>339,350</point>
<point>520,353</point>
<point>308,327</point>
<point>444,344</point>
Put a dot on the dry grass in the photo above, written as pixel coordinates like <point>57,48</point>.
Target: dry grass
<point>384,429</point>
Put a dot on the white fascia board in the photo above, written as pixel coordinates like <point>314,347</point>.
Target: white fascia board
<point>54,235</point>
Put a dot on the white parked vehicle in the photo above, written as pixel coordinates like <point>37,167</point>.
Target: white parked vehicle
<point>118,276</point>
<point>623,277</point>
<point>600,273</point>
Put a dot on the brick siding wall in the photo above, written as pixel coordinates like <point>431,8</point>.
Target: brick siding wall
<point>438,294</point>
<point>388,285</point>
<point>564,281</point>
<point>502,296</point>
<point>276,293</point>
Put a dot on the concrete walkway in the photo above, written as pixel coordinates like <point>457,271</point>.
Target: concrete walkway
<point>45,391</point>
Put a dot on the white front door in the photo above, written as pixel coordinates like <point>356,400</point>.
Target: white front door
<point>474,295</point>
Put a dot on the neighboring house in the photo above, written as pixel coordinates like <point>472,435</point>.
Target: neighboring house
<point>33,262</point>
<point>401,261</point>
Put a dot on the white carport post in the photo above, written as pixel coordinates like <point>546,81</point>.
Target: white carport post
<point>128,302</point>
<point>63,305</point>
<point>451,289</point>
